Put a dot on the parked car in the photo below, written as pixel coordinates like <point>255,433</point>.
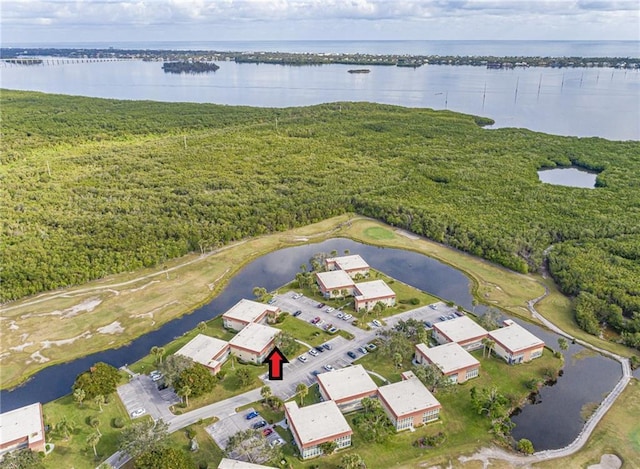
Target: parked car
<point>297,313</point>
<point>315,372</point>
<point>267,431</point>
<point>451,316</point>
<point>271,301</point>
<point>352,355</point>
<point>442,318</point>
<point>313,352</point>
<point>162,386</point>
<point>330,309</point>
<point>371,347</point>
<point>320,348</point>
<point>363,350</point>
<point>340,316</point>
<point>297,295</point>
<point>460,313</point>
<point>251,415</point>
<point>327,346</point>
<point>302,358</point>
<point>157,377</point>
<point>327,327</point>
<point>320,305</point>
<point>277,442</point>
<point>259,424</point>
<point>315,320</point>
<point>332,330</point>
<point>428,323</point>
<point>432,306</point>
<point>138,412</point>
<point>347,317</point>
<point>328,367</point>
<point>377,323</point>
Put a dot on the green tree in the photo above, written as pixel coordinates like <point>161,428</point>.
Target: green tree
<point>286,343</point>
<point>487,346</point>
<point>352,461</point>
<point>21,459</point>
<point>328,447</point>
<point>164,458</point>
<point>260,293</point>
<point>265,392</point>
<point>372,422</point>
<point>79,396</point>
<point>185,391</point>
<point>397,360</point>
<point>525,446</point>
<point>99,400</point>
<point>202,326</point>
<point>198,378</point>
<point>142,436</point>
<point>173,366</point>
<point>64,427</point>
<point>490,320</point>
<point>302,391</point>
<point>92,440</point>
<point>100,379</point>
<point>244,377</point>
<point>95,423</point>
<point>562,343</point>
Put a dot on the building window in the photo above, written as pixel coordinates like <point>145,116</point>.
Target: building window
<point>536,354</point>
<point>473,373</point>
<point>430,415</point>
<point>404,423</point>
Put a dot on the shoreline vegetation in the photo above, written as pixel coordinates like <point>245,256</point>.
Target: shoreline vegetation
<point>290,58</point>
<point>189,67</point>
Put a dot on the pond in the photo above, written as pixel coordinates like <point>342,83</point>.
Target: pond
<point>569,177</point>
<point>553,422</point>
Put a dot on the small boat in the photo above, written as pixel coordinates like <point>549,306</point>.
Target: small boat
<point>359,70</point>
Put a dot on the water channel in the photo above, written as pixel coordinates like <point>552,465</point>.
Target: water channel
<point>553,422</point>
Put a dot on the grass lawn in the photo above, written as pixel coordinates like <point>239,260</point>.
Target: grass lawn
<point>208,451</point>
<point>303,331</point>
<point>74,451</point>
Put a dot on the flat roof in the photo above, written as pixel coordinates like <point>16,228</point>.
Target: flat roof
<point>407,397</point>
<point>514,337</point>
<point>227,463</point>
<point>346,382</point>
<point>460,329</point>
<point>316,422</point>
<point>248,311</point>
<point>254,337</point>
<point>335,279</point>
<point>353,262</point>
<point>18,423</point>
<point>374,289</point>
<point>448,357</point>
<point>202,349</point>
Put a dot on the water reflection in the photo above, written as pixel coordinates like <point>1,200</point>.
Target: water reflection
<point>569,177</point>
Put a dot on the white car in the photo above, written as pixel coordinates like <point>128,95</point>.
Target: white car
<point>328,367</point>
<point>347,317</point>
<point>313,352</point>
<point>330,309</point>
<point>377,323</point>
<point>340,316</point>
<point>277,442</point>
<point>302,358</point>
<point>157,377</point>
<point>138,412</point>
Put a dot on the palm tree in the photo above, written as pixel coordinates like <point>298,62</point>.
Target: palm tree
<point>265,392</point>
<point>79,395</point>
<point>158,352</point>
<point>397,360</point>
<point>185,391</point>
<point>95,423</point>
<point>202,326</point>
<point>302,390</point>
<point>92,440</point>
<point>562,343</point>
<point>490,344</point>
<point>64,427</point>
<point>99,400</point>
<point>352,461</point>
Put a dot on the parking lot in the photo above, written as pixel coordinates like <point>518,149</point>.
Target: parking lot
<point>223,429</point>
<point>142,393</point>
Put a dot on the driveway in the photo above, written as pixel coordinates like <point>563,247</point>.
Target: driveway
<point>142,392</point>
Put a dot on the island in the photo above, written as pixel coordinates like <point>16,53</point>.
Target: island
<point>189,67</point>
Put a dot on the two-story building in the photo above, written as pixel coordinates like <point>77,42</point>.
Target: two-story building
<point>347,387</point>
<point>316,424</point>
<point>245,312</point>
<point>353,265</point>
<point>462,330</point>
<point>515,344</point>
<point>368,294</point>
<point>254,342</point>
<point>451,359</point>
<point>208,351</point>
<point>22,428</point>
<point>408,404</point>
<point>336,283</point>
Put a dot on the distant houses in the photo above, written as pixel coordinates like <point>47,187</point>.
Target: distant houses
<point>335,283</point>
<point>245,312</point>
<point>352,265</point>
<point>368,294</point>
<point>515,344</point>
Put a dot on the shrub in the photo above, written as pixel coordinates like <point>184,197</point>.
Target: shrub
<point>117,422</point>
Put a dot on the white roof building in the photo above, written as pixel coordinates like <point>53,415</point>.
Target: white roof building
<point>227,463</point>
<point>208,351</point>
<point>315,424</point>
<point>462,330</point>
<point>334,280</point>
<point>353,264</point>
<point>367,294</point>
<point>22,428</point>
<point>453,360</point>
<point>408,403</point>
<point>347,386</point>
<point>245,312</point>
<point>253,342</point>
<point>516,344</point>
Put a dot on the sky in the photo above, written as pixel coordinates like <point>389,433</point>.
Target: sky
<point>25,22</point>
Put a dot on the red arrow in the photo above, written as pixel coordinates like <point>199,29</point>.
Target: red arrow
<point>276,360</point>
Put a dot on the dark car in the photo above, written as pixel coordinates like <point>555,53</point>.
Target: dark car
<point>351,354</point>
<point>320,349</point>
<point>251,415</point>
<point>320,305</point>
<point>162,386</point>
<point>327,346</point>
<point>259,424</point>
<point>297,313</point>
<point>267,431</point>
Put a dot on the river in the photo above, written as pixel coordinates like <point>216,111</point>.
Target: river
<point>553,422</point>
<point>582,102</point>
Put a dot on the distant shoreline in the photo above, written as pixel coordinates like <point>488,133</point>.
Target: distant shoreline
<point>304,59</point>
